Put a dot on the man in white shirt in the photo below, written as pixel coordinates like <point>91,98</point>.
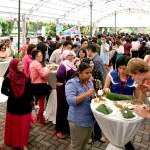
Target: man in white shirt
<point>104,54</point>
<point>55,57</point>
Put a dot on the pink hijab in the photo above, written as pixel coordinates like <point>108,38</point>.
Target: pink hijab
<point>17,79</point>
<point>68,64</point>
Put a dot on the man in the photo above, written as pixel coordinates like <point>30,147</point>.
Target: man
<point>9,48</point>
<point>42,47</point>
<point>24,48</point>
<point>98,64</point>
<point>84,43</point>
<point>55,57</point>
<point>139,70</point>
<point>51,46</point>
<point>104,54</point>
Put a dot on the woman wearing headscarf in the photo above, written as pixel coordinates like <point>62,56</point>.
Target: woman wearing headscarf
<point>19,106</point>
<point>65,71</point>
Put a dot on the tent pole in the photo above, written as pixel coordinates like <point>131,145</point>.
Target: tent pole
<point>19,24</point>
<point>23,28</point>
<point>91,4</point>
<point>115,22</point>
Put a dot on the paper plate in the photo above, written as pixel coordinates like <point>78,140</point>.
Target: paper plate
<point>120,116</point>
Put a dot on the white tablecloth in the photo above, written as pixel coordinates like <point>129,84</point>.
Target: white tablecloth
<point>118,131</point>
<point>4,66</point>
<point>51,108</point>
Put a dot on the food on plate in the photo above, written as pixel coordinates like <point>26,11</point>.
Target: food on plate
<point>52,66</point>
<point>99,100</point>
<point>118,105</point>
<point>117,97</point>
<point>104,109</point>
<point>127,104</point>
<point>126,113</point>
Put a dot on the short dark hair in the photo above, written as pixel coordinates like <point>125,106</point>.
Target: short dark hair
<point>83,50</point>
<point>123,60</point>
<point>35,53</point>
<point>77,39</point>
<point>92,48</point>
<point>40,38</point>
<point>74,46</point>
<point>68,38</point>
<point>83,40</point>
<point>28,38</point>
<point>67,43</point>
<point>30,48</point>
<point>87,60</point>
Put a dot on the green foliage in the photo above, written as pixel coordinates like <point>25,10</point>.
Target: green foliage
<point>18,55</point>
<point>50,29</point>
<point>34,27</point>
<point>7,28</point>
<point>85,30</point>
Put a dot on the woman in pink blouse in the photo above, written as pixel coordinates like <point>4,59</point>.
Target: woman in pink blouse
<point>39,80</point>
<point>27,59</point>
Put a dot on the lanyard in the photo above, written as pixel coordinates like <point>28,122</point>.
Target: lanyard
<point>122,87</point>
<point>85,88</point>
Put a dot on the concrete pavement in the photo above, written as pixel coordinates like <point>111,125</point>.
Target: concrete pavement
<point>42,137</point>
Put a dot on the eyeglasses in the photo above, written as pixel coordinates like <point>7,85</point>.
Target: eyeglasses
<point>3,48</point>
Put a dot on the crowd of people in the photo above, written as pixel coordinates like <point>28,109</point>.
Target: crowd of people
<point>116,61</point>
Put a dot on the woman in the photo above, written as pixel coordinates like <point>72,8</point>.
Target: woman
<point>81,55</point>
<point>118,81</point>
<point>27,59</point>
<point>79,92</point>
<point>19,106</point>
<point>97,134</point>
<point>3,52</point>
<point>135,45</point>
<point>127,47</point>
<point>65,71</point>
<point>39,80</point>
<point>120,49</point>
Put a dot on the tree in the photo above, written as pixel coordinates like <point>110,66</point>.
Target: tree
<point>50,29</point>
<point>34,27</point>
<point>7,28</point>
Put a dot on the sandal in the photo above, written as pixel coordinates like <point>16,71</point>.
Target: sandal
<point>60,135</point>
<point>102,139</point>
<point>90,141</point>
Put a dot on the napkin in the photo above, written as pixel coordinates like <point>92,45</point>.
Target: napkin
<point>127,113</point>
<point>104,109</point>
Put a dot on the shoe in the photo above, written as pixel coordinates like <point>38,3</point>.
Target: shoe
<point>60,135</point>
<point>102,139</point>
<point>55,132</point>
<point>90,141</point>
<point>44,122</point>
<point>25,148</point>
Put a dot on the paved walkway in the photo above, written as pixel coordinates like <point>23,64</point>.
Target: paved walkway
<point>43,138</point>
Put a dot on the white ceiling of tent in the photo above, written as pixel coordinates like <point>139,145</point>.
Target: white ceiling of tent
<point>78,11</point>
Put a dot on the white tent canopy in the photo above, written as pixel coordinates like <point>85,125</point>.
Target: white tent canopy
<point>78,11</point>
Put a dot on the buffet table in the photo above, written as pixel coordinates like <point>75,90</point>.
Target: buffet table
<point>51,108</point>
<point>3,68</point>
<point>119,131</point>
